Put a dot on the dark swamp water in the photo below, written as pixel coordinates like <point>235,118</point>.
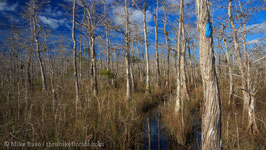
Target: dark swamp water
<point>157,138</point>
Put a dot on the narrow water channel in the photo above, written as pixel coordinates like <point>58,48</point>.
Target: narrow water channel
<point>156,137</point>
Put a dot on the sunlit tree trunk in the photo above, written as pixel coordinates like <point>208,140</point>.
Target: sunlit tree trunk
<point>182,59</point>
<point>146,50</point>
<point>168,50</point>
<point>190,45</point>
<point>230,71</point>
<point>239,58</point>
<point>178,76</point>
<point>127,58</point>
<point>93,66</point>
<point>211,138</point>
<point>36,34</point>
<point>252,126</point>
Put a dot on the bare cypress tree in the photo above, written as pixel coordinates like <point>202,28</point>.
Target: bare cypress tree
<point>231,89</point>
<point>127,57</point>
<point>90,23</point>
<point>182,56</point>
<point>178,80</point>
<point>156,16</point>
<point>251,87</point>
<point>107,28</point>
<point>240,61</point>
<point>211,137</point>
<point>75,56</point>
<point>168,49</point>
<point>147,89</point>
<point>33,9</point>
<point>146,49</point>
<point>230,70</point>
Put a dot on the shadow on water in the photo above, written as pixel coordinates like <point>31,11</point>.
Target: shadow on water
<point>156,137</point>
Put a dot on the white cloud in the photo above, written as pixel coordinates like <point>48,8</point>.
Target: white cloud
<point>257,41</point>
<point>176,2</point>
<point>135,18</point>
<point>256,28</point>
<point>4,6</point>
<point>53,23</point>
<point>53,12</point>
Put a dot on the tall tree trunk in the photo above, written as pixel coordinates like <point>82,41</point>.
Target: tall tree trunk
<point>107,44</point>
<point>127,59</point>
<point>147,92</point>
<point>75,57</point>
<point>156,47</point>
<point>80,58</point>
<point>184,94</point>
<point>132,77</point>
<point>211,118</point>
<point>252,126</point>
<point>230,71</point>
<point>108,51</point>
<point>168,51</point>
<point>36,33</point>
<point>93,66</point>
<point>190,45</point>
<point>178,80</point>
<point>240,61</point>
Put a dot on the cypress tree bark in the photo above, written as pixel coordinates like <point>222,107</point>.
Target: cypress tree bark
<point>211,118</point>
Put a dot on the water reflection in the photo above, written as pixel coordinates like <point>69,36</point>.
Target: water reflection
<point>156,138</point>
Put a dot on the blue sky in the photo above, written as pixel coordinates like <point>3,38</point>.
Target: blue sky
<point>57,19</point>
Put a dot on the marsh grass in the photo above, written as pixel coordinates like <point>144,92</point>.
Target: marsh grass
<point>117,123</point>
<point>108,118</point>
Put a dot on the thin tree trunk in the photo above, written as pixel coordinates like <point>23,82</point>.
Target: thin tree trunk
<point>147,92</point>
<point>75,57</point>
<point>191,63</point>
<point>178,80</point>
<point>36,33</point>
<point>211,118</point>
<point>231,79</point>
<point>252,126</point>
<point>132,76</point>
<point>107,45</point>
<point>127,59</point>
<point>168,51</point>
<point>93,66</point>
<point>156,47</point>
<point>80,59</point>
<point>184,94</point>
<point>240,61</point>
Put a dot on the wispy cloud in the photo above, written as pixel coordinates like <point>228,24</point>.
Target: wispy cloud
<point>257,41</point>
<point>135,18</point>
<point>53,23</point>
<point>4,6</point>
<point>251,42</point>
<point>256,28</point>
<point>53,12</point>
<point>176,2</point>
